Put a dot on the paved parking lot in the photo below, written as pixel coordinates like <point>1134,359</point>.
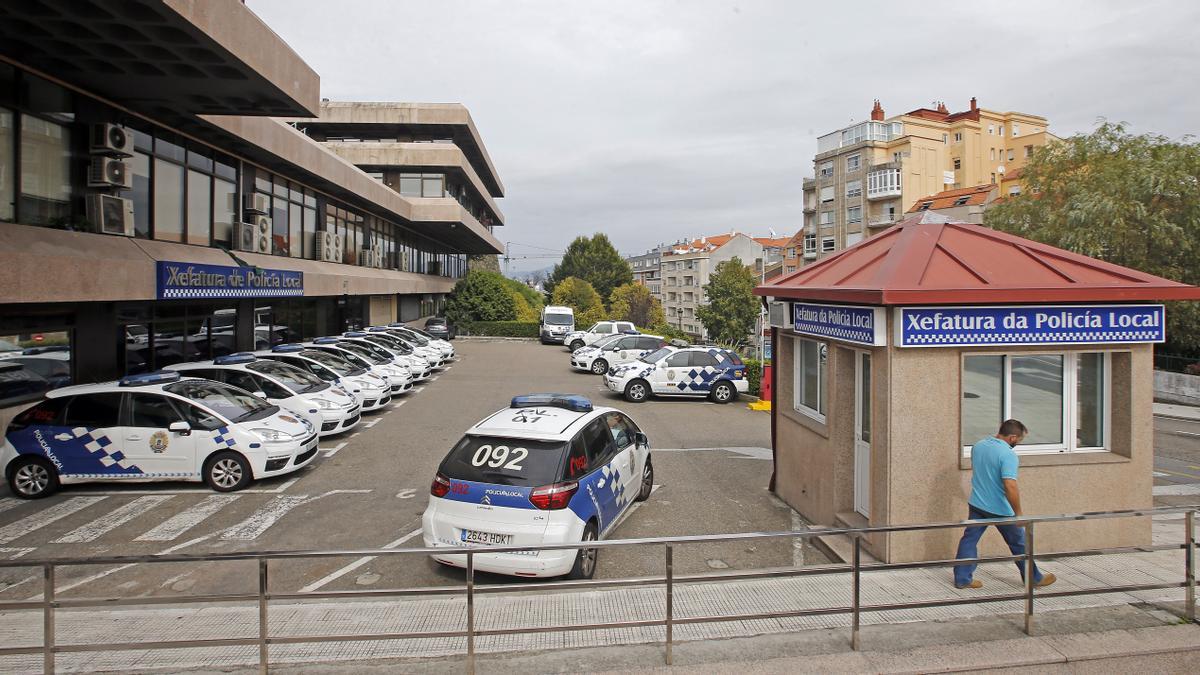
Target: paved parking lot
<point>368,489</point>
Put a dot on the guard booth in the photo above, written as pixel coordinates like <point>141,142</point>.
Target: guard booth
<point>895,356</point>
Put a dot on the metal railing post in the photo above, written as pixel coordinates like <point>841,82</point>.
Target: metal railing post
<point>1189,561</point>
<point>670,602</point>
<point>470,612</point>
<point>48,619</point>
<point>856,574</point>
<point>263,626</point>
<point>1029,578</point>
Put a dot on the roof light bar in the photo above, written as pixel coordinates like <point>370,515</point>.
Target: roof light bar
<point>147,379</point>
<point>573,402</point>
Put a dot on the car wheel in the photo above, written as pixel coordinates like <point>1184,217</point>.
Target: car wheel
<point>585,558</point>
<point>576,344</point>
<point>599,366</point>
<point>723,392</point>
<point>647,481</point>
<point>227,472</point>
<point>32,477</point>
<point>636,391</point>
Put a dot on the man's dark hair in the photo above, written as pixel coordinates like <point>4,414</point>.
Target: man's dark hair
<point>1013,428</point>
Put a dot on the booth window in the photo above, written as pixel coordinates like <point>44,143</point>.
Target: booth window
<point>809,386</point>
<point>1062,398</point>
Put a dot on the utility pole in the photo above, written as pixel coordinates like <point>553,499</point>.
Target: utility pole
<point>507,256</point>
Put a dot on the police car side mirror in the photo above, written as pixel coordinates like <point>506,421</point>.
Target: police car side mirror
<point>641,440</point>
<point>259,394</point>
<point>181,428</point>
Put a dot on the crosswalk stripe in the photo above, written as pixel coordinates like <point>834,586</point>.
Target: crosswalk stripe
<point>111,520</point>
<point>7,503</point>
<point>186,520</point>
<point>264,518</point>
<point>43,518</point>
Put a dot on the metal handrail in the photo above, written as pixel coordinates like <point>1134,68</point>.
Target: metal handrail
<point>263,596</point>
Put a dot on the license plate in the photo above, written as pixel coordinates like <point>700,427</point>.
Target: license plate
<point>486,538</point>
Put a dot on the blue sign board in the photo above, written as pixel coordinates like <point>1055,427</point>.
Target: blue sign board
<point>184,281</point>
<point>1029,325</point>
<point>846,323</point>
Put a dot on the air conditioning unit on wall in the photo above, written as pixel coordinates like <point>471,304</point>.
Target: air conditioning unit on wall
<point>255,236</point>
<point>256,204</point>
<point>112,140</point>
<point>366,258</point>
<point>107,172</point>
<point>110,214</point>
<point>380,257</point>
<point>329,246</point>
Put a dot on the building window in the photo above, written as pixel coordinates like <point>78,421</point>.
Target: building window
<point>168,200</point>
<point>1000,130</point>
<point>1014,190</point>
<point>827,194</point>
<point>945,139</point>
<point>809,385</point>
<point>825,170</point>
<point>880,183</point>
<point>853,238</point>
<point>991,130</point>
<point>961,201</point>
<point>828,245</point>
<point>993,178</point>
<point>7,159</point>
<point>993,157</point>
<point>853,188</point>
<point>853,215</point>
<point>853,163</point>
<point>826,219</point>
<point>1063,398</point>
<point>1016,129</point>
<point>958,137</point>
<point>957,163</point>
<point>810,243</point>
<point>1028,151</point>
<point>924,206</point>
<point>45,171</point>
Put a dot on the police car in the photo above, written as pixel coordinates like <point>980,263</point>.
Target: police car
<point>443,347</point>
<point>400,350</point>
<point>691,371</point>
<point>433,357</point>
<point>548,469</point>
<point>372,391</point>
<point>397,375</point>
<point>329,407</point>
<point>155,426</point>
<point>614,350</point>
<point>599,330</point>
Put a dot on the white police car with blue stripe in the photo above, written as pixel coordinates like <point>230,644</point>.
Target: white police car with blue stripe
<point>548,469</point>
<point>156,426</point>
<point>712,372</point>
<point>397,375</point>
<point>372,391</point>
<point>614,350</point>
<point>400,350</point>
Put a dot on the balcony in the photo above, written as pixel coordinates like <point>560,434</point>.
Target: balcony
<point>885,220</point>
<point>883,183</point>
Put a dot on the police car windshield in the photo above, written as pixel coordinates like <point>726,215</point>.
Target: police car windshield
<point>393,343</point>
<point>413,337</point>
<point>422,333</point>
<point>333,362</point>
<point>299,381</point>
<point>505,461</point>
<point>365,352</point>
<point>560,319</point>
<point>604,341</point>
<point>655,355</point>
<point>233,404</point>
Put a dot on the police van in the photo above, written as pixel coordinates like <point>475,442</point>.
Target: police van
<point>711,372</point>
<point>332,409</point>
<point>614,350</point>
<point>548,469</point>
<point>149,427</point>
<point>372,391</point>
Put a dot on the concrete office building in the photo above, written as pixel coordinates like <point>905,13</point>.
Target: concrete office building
<point>870,173</point>
<point>154,208</point>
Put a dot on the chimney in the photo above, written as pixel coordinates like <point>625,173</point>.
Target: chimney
<point>942,107</point>
<point>877,112</point>
<point>974,104</point>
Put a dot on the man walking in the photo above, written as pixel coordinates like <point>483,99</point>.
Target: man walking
<point>994,494</point>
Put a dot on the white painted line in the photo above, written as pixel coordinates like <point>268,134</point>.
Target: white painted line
<point>336,574</point>
<point>181,522</point>
<point>111,520</point>
<point>264,518</point>
<point>14,552</point>
<point>407,494</point>
<point>434,378</point>
<point>11,503</point>
<point>1159,474</point>
<point>23,581</point>
<point>334,450</point>
<point>371,423</point>
<point>43,518</point>
<point>398,404</point>
<point>1182,490</point>
<point>114,570</point>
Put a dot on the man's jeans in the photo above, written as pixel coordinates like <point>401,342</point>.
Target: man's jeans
<point>968,547</point>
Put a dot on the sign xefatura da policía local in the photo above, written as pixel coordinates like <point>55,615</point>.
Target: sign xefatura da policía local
<point>1029,325</point>
<point>181,280</point>
<point>855,324</point>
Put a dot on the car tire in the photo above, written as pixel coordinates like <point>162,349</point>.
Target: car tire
<point>576,344</point>
<point>585,558</point>
<point>31,477</point>
<point>647,481</point>
<point>723,392</point>
<point>599,366</point>
<point>227,472</point>
<point>637,391</point>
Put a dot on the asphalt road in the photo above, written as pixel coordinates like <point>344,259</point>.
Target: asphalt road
<point>1176,461</point>
<point>367,490</point>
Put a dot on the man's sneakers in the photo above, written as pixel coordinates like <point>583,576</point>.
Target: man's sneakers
<point>1047,579</point>
<point>974,583</point>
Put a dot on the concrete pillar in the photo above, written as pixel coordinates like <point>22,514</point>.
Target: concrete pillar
<point>97,348</point>
<point>243,328</point>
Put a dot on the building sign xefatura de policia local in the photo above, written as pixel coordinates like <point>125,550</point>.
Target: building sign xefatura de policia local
<point>848,323</point>
<point>1028,325</point>
<point>181,281</point>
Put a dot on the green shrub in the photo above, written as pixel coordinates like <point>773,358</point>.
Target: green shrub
<point>524,329</point>
<point>754,374</point>
<point>481,296</point>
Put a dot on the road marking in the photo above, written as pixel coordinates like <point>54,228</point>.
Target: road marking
<point>14,552</point>
<point>1159,474</point>
<point>434,378</point>
<point>261,520</point>
<point>111,520</point>
<point>114,570</point>
<point>1177,490</point>
<point>181,522</point>
<point>406,494</point>
<point>336,574</point>
<point>334,450</point>
<point>745,452</point>
<point>371,423</point>
<point>1182,433</point>
<point>43,518</point>
<point>1176,473</point>
<point>9,503</point>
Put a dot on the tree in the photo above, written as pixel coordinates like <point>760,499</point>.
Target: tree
<point>1132,200</point>
<point>481,296</point>
<point>582,298</point>
<point>486,263</point>
<point>732,309</point>
<point>595,261</point>
<point>634,302</point>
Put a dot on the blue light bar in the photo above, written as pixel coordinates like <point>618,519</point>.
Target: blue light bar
<point>326,341</point>
<point>631,332</point>
<point>293,347</point>
<point>378,329</point>
<point>574,402</point>
<point>231,359</point>
<point>146,379</point>
<point>354,334</point>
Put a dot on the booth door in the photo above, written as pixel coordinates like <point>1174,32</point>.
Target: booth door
<point>862,433</point>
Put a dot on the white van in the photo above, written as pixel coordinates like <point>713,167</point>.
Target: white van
<point>556,322</point>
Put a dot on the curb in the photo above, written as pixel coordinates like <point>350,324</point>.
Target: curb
<point>494,337</point>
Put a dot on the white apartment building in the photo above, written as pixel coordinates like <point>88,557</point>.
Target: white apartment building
<point>686,268</point>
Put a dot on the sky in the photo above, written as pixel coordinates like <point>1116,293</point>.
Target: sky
<point>656,120</point>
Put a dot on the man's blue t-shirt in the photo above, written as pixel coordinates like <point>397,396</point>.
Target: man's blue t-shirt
<point>992,460</point>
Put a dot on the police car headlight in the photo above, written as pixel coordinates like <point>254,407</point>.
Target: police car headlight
<point>326,405</point>
<point>274,436</point>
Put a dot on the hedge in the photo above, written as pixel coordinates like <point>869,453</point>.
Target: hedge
<point>754,374</point>
<point>524,329</point>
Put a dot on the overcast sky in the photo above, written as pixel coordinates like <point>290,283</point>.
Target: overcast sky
<point>656,120</point>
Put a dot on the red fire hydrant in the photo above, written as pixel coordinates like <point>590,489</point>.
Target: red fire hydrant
<point>764,384</point>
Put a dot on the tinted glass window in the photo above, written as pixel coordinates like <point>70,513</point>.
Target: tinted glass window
<point>241,380</point>
<point>733,358</point>
<point>152,410</point>
<point>504,461</point>
<point>649,343</point>
<point>599,440</point>
<point>333,362</point>
<point>47,368</point>
<point>679,360</point>
<point>603,328</point>
<point>363,352</point>
<point>94,410</point>
<point>654,356</point>
<point>620,429</point>
<point>198,418</point>
<point>703,359</point>
<point>300,381</point>
<point>559,319</point>
<point>18,383</point>
<point>48,412</point>
<point>269,388</point>
<point>315,368</point>
<point>578,459</point>
<point>235,405</point>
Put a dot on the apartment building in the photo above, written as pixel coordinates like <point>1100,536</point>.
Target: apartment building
<point>686,268</point>
<point>964,204</point>
<point>647,269</point>
<point>867,175</point>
